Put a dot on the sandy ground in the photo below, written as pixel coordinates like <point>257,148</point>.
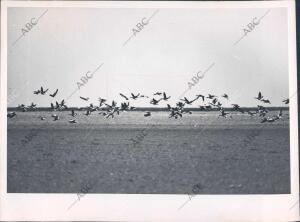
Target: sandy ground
<point>224,156</point>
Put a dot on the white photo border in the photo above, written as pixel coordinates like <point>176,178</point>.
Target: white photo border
<point>135,207</point>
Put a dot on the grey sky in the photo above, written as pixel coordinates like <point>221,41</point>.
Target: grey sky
<point>164,56</point>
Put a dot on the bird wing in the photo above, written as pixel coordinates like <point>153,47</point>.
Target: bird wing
<point>123,96</point>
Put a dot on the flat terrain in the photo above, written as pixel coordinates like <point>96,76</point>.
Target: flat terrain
<point>237,155</point>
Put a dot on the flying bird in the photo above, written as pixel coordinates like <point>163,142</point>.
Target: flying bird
<point>72,121</point>
<point>53,107</point>
<point>54,94</point>
<point>259,97</point>
<point>83,98</point>
<point>32,106</point>
<point>124,96</point>
<point>102,101</point>
<point>198,96</point>
<point>36,92</point>
<point>286,101</point>
<point>225,96</point>
<point>188,101</point>
<point>223,113</point>
<point>43,91</point>
<point>266,101</point>
<point>210,96</point>
<point>135,96</point>
<point>165,97</point>
<point>154,101</point>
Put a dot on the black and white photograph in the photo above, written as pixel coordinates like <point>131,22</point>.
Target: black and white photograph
<point>118,104</point>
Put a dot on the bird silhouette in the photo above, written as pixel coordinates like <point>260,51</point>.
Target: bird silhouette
<point>84,98</point>
<point>165,97</point>
<point>200,96</point>
<point>124,96</point>
<point>265,101</point>
<point>210,96</point>
<point>286,101</point>
<point>225,96</point>
<point>72,121</point>
<point>135,96</point>
<point>147,114</point>
<point>259,97</point>
<point>11,114</point>
<point>154,101</point>
<point>54,94</point>
<point>43,91</point>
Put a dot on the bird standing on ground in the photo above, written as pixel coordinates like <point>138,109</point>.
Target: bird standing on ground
<point>147,114</point>
<point>55,117</point>
<point>11,114</point>
<point>73,113</point>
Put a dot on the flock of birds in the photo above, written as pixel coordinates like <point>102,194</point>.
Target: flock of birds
<point>110,110</point>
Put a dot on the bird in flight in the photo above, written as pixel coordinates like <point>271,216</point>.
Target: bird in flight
<point>154,101</point>
<point>36,92</point>
<point>223,113</point>
<point>188,101</point>
<point>32,106</point>
<point>124,96</point>
<point>157,94</point>
<point>165,97</point>
<point>210,96</point>
<point>84,98</point>
<point>43,91</point>
<point>54,94</point>
<point>143,96</point>
<point>102,101</point>
<point>266,101</point>
<point>259,97</point>
<point>124,106</point>
<point>286,101</point>
<point>225,96</point>
<point>135,96</point>
<point>198,96</point>
<point>236,107</point>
